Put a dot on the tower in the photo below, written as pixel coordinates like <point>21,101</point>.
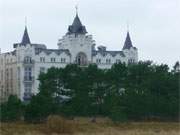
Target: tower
<point>128,42</point>
<point>76,27</point>
<point>77,42</point>
<point>129,50</point>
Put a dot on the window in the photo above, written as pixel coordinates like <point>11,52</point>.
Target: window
<point>42,59</point>
<point>42,69</point>
<point>7,73</point>
<point>81,59</point>
<point>19,73</point>
<point>98,61</point>
<point>108,61</point>
<point>63,60</point>
<point>1,61</point>
<point>118,61</point>
<point>28,88</point>
<point>131,61</point>
<point>27,91</point>
<point>27,59</point>
<point>53,59</point>
<point>28,74</point>
<point>11,70</point>
<point>1,75</point>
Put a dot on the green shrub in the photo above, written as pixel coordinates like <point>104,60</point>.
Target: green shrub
<point>12,109</point>
<point>118,115</point>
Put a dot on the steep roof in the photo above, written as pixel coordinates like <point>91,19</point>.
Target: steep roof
<point>25,38</point>
<point>77,21</point>
<point>49,51</point>
<point>104,53</point>
<point>127,43</point>
<point>77,27</point>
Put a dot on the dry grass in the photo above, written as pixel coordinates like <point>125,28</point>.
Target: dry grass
<point>83,126</point>
<point>58,124</point>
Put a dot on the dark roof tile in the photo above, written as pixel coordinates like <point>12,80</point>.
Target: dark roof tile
<point>77,27</point>
<point>25,39</point>
<point>128,43</point>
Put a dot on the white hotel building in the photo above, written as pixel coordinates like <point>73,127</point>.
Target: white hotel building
<point>20,68</point>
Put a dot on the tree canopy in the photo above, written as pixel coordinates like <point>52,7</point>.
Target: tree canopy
<point>139,91</point>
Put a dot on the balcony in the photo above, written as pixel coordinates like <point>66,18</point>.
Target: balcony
<point>30,62</point>
<point>27,96</point>
<point>28,79</point>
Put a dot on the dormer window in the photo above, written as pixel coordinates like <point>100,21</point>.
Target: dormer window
<point>108,61</point>
<point>28,59</point>
<point>130,61</point>
<point>42,59</point>
<point>53,59</point>
<point>98,61</point>
<point>63,60</point>
<point>118,61</point>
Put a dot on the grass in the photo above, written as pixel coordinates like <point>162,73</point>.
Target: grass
<point>83,126</point>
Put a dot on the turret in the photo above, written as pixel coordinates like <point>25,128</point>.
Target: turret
<point>25,39</point>
<point>130,51</point>
<point>76,27</point>
<point>127,43</point>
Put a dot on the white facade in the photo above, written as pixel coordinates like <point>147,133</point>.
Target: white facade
<point>19,69</point>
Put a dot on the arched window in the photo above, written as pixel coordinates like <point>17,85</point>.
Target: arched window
<point>81,59</point>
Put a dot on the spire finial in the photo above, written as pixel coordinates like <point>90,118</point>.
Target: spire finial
<point>127,26</point>
<point>25,21</point>
<point>76,9</point>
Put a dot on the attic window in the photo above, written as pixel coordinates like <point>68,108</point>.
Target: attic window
<point>118,61</point>
<point>28,59</point>
<point>53,59</point>
<point>98,61</point>
<point>63,60</point>
<point>108,61</point>
<point>42,59</point>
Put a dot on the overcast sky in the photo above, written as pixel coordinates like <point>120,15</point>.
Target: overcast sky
<point>154,25</point>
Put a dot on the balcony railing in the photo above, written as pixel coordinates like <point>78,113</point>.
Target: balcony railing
<point>28,78</point>
<point>29,62</point>
<point>27,96</point>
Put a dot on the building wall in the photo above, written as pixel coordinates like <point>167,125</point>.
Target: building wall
<point>8,76</point>
<point>76,44</point>
<point>19,70</point>
<point>12,66</point>
<point>45,65</point>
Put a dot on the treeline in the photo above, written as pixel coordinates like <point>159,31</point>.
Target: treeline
<point>143,91</point>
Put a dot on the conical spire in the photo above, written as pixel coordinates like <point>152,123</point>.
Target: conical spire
<point>128,43</point>
<point>77,27</point>
<point>25,38</point>
<point>77,21</point>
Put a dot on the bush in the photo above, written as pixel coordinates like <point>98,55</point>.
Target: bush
<point>118,115</point>
<point>59,124</point>
<point>39,108</point>
<point>12,109</point>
